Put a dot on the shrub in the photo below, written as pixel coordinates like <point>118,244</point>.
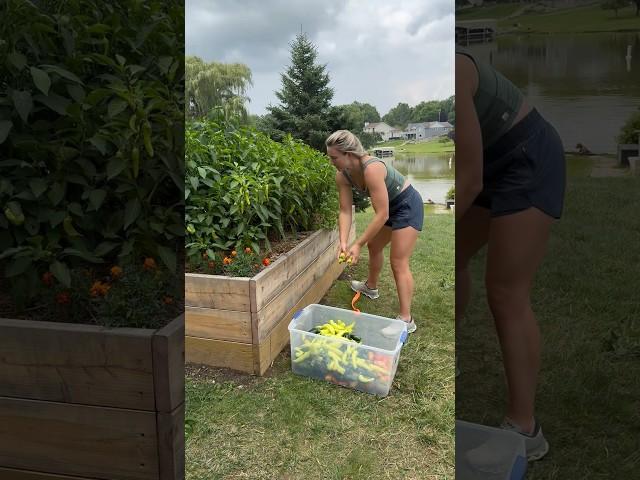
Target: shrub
<point>91,135</point>
<point>629,132</point>
<point>243,189</point>
<point>451,194</point>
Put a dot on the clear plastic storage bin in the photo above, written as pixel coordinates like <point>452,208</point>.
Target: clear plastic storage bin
<point>368,366</point>
<point>486,453</point>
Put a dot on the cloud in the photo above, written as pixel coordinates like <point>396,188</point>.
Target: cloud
<point>376,51</point>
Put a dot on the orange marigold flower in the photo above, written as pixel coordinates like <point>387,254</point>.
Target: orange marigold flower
<point>227,261</point>
<point>234,253</point>
<point>63,298</point>
<point>168,300</point>
<point>99,289</point>
<point>47,278</point>
<point>247,250</point>
<point>116,271</point>
<point>266,262</point>
<point>149,264</point>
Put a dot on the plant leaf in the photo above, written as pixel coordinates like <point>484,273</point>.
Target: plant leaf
<point>62,72</point>
<point>61,272</point>
<point>55,102</point>
<point>104,248</point>
<point>168,257</point>
<point>116,106</point>
<point>114,167</point>
<point>38,186</point>
<point>96,197</point>
<point>17,59</point>
<point>23,103</point>
<point>56,193</point>
<point>76,92</point>
<point>17,266</point>
<point>131,212</point>
<point>41,79</point>
<point>5,127</point>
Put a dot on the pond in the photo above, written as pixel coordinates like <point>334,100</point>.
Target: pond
<point>585,85</point>
<point>430,173</point>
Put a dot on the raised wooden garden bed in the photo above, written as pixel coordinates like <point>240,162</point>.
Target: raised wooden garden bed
<point>87,402</point>
<point>241,323</point>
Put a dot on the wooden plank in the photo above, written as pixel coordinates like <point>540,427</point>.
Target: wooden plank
<point>168,365</point>
<point>279,336</point>
<point>218,324</point>
<point>105,443</point>
<point>82,364</point>
<point>262,357</point>
<point>268,283</point>
<point>269,316</point>
<point>220,353</point>
<point>13,474</point>
<point>217,291</point>
<point>171,444</point>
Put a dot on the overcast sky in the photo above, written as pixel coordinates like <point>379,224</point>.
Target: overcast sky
<point>376,51</point>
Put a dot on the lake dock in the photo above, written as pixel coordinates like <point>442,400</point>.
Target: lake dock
<point>476,31</point>
<point>382,152</point>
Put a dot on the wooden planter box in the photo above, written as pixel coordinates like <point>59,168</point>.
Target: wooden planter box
<point>85,402</point>
<point>241,323</point>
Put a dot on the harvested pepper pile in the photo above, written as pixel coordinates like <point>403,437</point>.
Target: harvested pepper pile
<point>340,362</point>
<point>337,329</point>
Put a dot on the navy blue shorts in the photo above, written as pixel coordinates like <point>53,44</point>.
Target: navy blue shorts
<point>524,168</point>
<point>406,210</point>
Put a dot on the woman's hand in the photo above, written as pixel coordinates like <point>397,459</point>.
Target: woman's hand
<point>342,250</point>
<point>354,253</point>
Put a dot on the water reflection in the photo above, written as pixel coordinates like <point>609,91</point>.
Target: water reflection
<point>586,85</point>
<point>431,174</point>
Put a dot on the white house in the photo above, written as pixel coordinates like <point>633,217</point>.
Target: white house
<point>382,128</point>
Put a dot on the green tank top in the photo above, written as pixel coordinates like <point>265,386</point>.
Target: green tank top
<point>497,101</point>
<point>394,180</point>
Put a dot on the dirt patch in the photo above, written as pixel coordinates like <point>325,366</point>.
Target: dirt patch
<point>607,167</point>
<point>206,374</point>
<point>287,244</point>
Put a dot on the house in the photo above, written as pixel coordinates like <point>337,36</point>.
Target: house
<point>382,128</point>
<point>425,130</point>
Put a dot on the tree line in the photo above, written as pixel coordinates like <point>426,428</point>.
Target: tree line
<point>305,109</point>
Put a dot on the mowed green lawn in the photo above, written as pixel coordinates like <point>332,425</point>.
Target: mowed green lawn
<point>284,426</point>
<point>589,18</point>
<point>433,146</point>
<point>587,303</point>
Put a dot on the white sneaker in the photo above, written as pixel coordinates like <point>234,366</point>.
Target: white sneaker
<point>494,456</point>
<point>361,287</point>
<point>394,329</point>
<point>535,443</point>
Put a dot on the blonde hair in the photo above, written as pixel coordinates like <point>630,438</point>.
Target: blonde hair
<point>345,142</point>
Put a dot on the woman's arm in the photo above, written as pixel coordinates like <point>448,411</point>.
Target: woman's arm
<point>374,179</point>
<point>344,217</point>
<point>468,137</point>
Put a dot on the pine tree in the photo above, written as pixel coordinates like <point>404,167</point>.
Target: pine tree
<point>305,97</point>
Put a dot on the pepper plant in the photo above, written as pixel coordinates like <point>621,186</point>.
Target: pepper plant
<point>91,135</point>
<point>243,189</point>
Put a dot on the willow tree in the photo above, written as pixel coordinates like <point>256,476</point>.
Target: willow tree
<point>209,85</point>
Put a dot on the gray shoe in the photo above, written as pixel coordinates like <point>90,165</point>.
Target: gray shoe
<point>361,287</point>
<point>393,330</point>
<point>411,326</point>
<point>535,443</point>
